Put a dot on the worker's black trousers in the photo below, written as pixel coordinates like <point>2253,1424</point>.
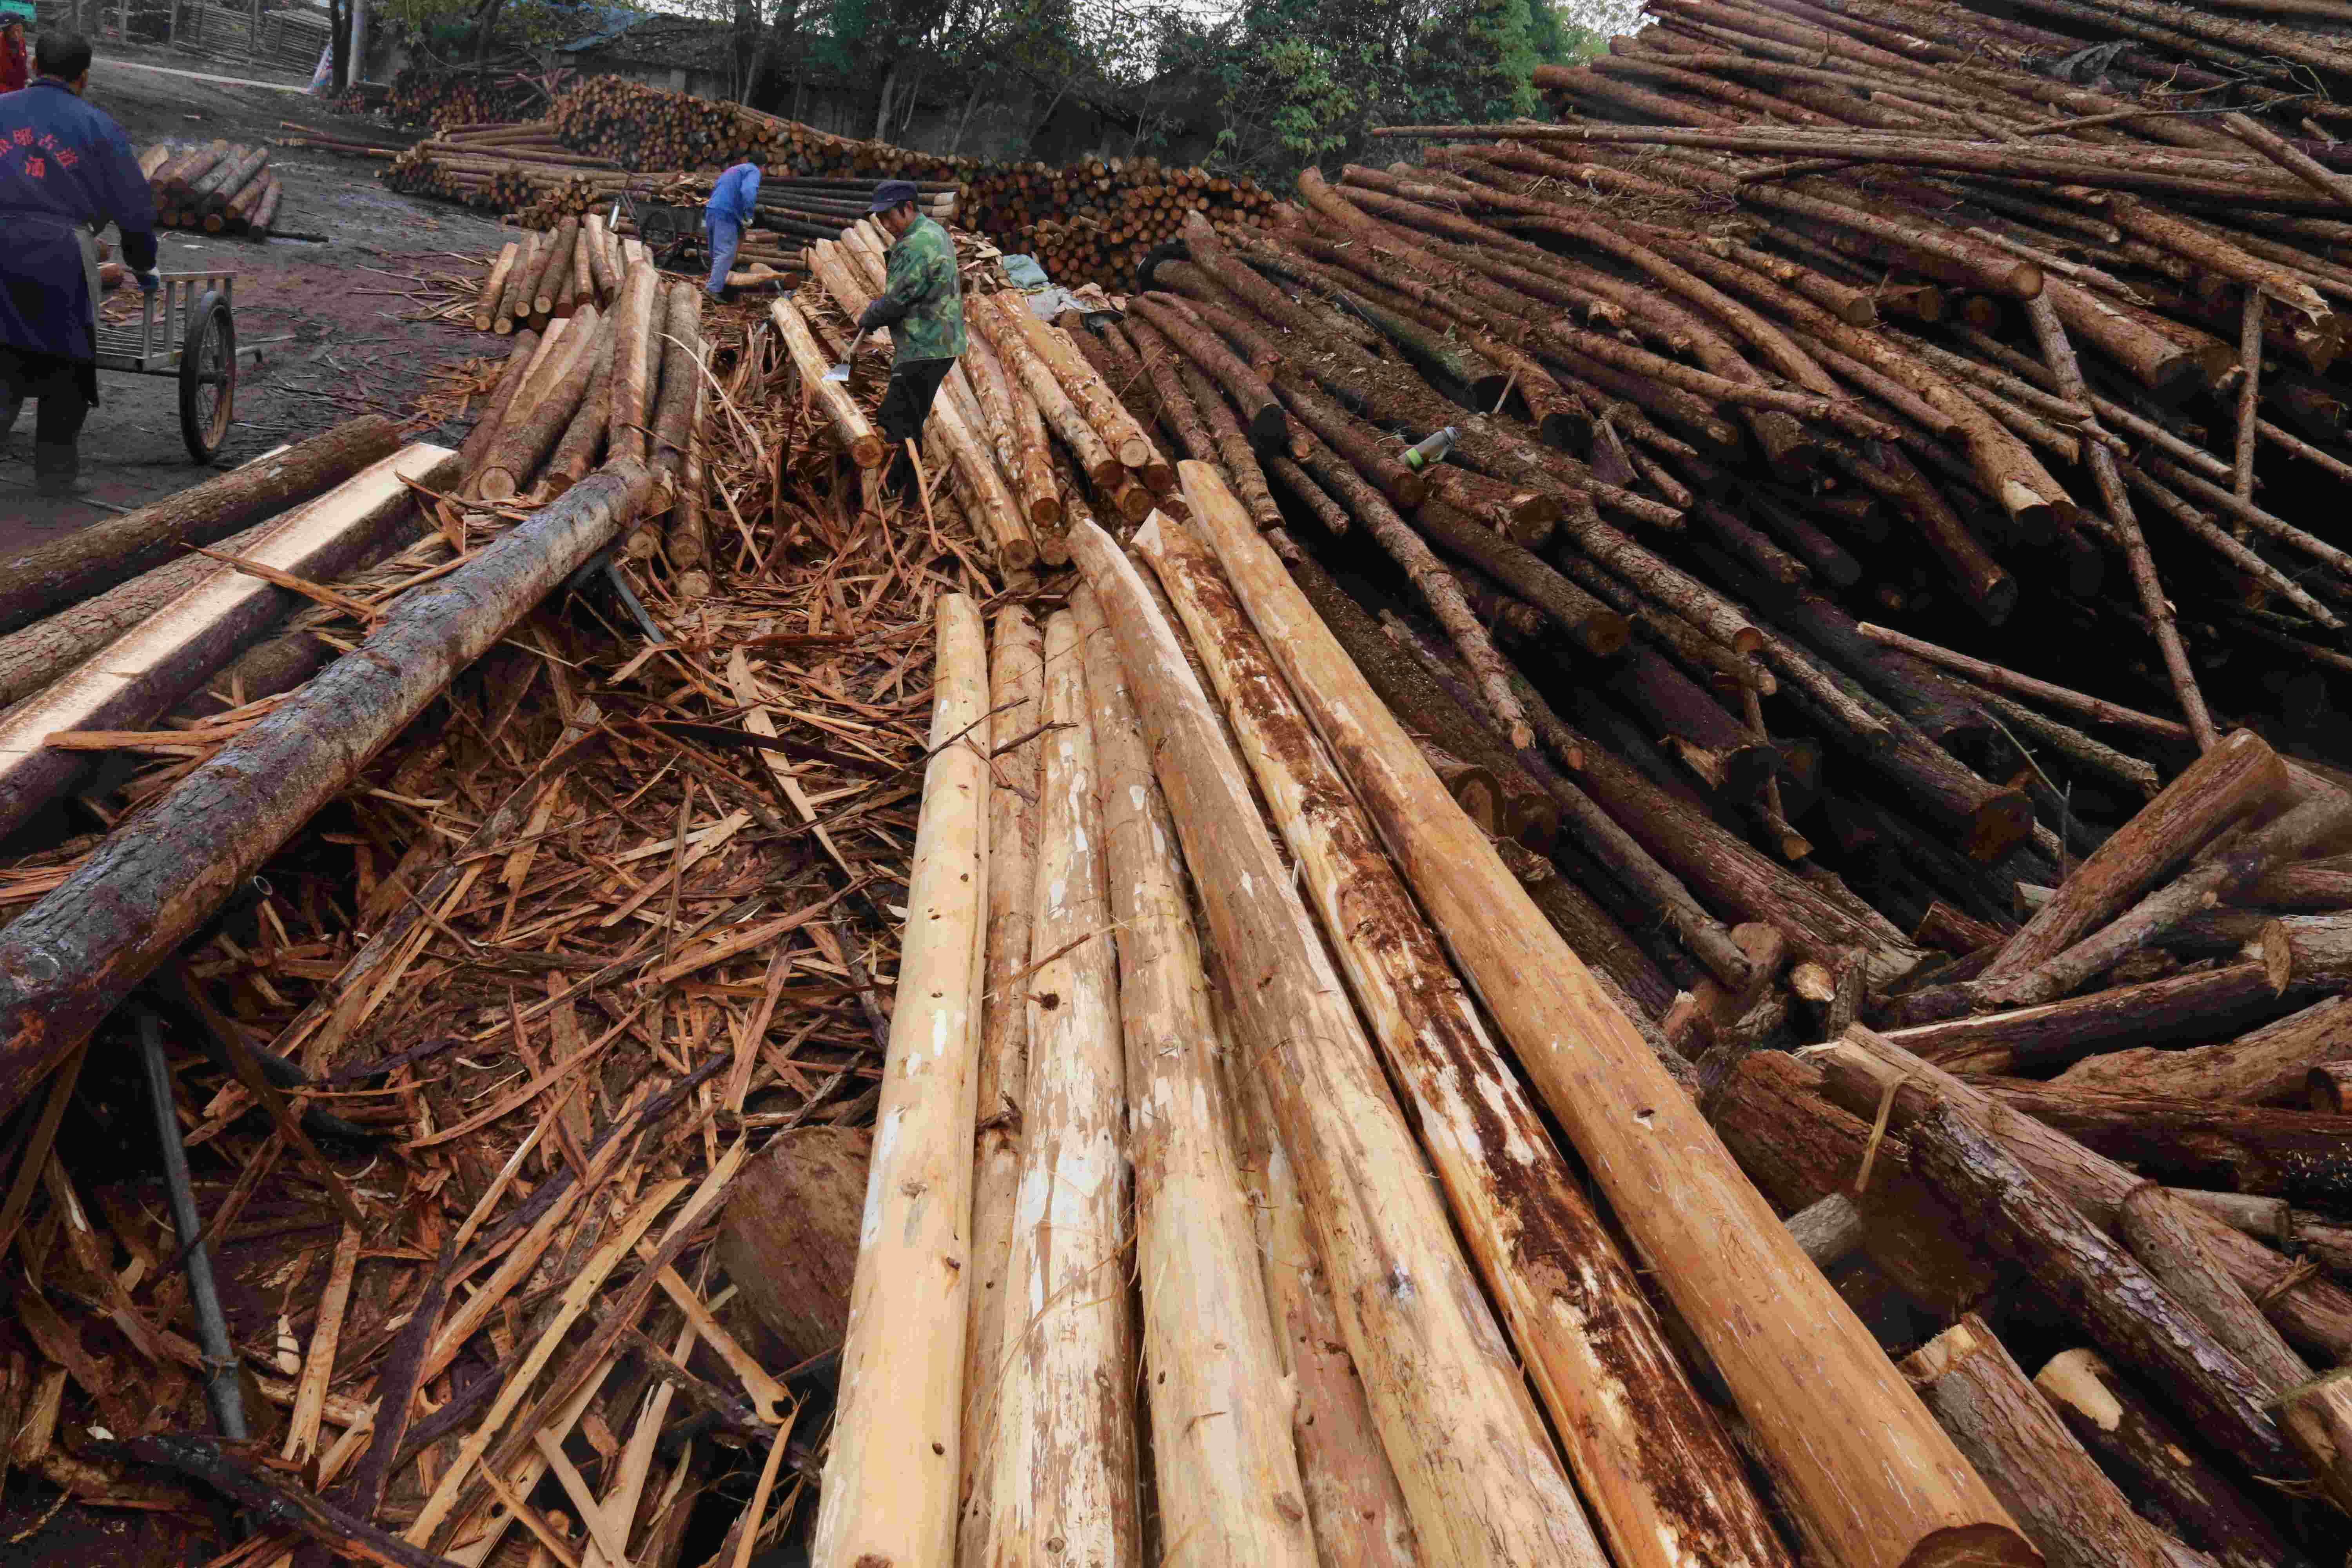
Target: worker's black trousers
<point>905,403</point>
<point>60,386</point>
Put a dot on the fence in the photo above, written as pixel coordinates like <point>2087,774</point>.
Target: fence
<point>276,37</point>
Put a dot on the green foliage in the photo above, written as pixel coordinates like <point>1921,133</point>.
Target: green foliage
<point>448,26</point>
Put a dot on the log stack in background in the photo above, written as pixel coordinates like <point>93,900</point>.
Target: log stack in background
<point>220,188</point>
<point>445,99</point>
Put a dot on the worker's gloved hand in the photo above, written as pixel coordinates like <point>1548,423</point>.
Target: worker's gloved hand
<point>148,282</point>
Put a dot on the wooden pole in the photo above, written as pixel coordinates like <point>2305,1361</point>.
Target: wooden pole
<point>1229,1486</point>
<point>1016,703</point>
<point>1661,1475</point>
<point>994,322</point>
<point>889,1492</point>
<point>636,364</point>
<point>1064,1439</point>
<point>139,676</point>
<point>1087,390</point>
<point>67,961</point>
<point>524,443</point>
<point>486,308</point>
<point>1797,1353</point>
<point>2058,1494</point>
<point>39,580</point>
<point>1479,1475</point>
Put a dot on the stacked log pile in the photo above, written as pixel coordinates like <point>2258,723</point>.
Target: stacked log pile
<point>220,188</point>
<point>445,99</point>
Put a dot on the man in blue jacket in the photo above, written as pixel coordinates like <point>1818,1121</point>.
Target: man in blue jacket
<point>733,201</point>
<point>65,171</point>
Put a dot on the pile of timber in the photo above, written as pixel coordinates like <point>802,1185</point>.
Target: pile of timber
<point>447,99</point>
<point>698,893</point>
<point>220,188</point>
<point>1091,222</point>
<point>644,127</point>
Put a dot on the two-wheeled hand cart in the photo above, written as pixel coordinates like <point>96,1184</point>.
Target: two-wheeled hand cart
<point>187,328</point>
<point>674,235</point>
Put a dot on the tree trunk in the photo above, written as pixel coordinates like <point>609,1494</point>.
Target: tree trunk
<point>636,364</point>
<point>1064,1431</point>
<point>2179,1007</point>
<point>1620,1400</point>
<point>2272,1063</point>
<point>1468,1448</point>
<point>2059,1496</point>
<point>141,675</point>
<point>891,1474</point>
<point>2318,1425</point>
<point>2223,785</point>
<point>41,579</point>
<point>2298,1154</point>
<point>1013,351</point>
<point>521,355</point>
<point>525,442</point>
<point>788,1239</point>
<point>2158,1466</point>
<point>1016,701</point>
<point>165,872</point>
<point>1229,1486</point>
<point>1639,1134</point>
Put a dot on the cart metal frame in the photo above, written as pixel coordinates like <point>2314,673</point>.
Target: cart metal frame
<point>187,329</point>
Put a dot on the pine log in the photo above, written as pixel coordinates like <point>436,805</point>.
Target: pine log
<point>1626,1411</point>
<point>2179,1007</point>
<point>890,1476</point>
<point>514,301</point>
<point>682,386</point>
<point>1353,1501</point>
<point>1477,1474</point>
<point>165,872</point>
<point>2159,1466</point>
<point>1087,390</point>
<point>2300,1154</point>
<point>1864,1072</point>
<point>1638,1133</point>
<point>2317,1424</point>
<point>32,658</point>
<point>2272,1063</point>
<point>995,323</point>
<point>38,580</point>
<point>522,354</point>
<point>1594,626</point>
<point>265,211</point>
<point>637,365</point>
<point>548,286</point>
<point>486,308</point>
<point>1064,1437</point>
<point>1016,700</point>
<point>599,246</point>
<point>2230,780</point>
<point>141,675</point>
<point>525,441</point>
<point>1260,410</point>
<point>583,443</point>
<point>2097,1284</point>
<point>228,177</point>
<point>1423,704</point>
<point>2061,1500</point>
<point>1799,1150</point>
<point>1229,1486</point>
<point>788,1237</point>
<point>1025,462</point>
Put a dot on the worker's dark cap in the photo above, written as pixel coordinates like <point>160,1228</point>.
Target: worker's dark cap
<point>892,194</point>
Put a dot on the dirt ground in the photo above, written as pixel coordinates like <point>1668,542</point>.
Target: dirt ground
<point>326,315</point>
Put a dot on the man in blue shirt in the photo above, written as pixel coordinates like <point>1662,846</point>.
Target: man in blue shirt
<point>734,202</point>
<point>65,171</point>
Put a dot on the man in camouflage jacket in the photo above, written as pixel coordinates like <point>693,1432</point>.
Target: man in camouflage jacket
<point>922,304</point>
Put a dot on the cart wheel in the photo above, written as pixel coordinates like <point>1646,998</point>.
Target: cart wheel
<point>207,376</point>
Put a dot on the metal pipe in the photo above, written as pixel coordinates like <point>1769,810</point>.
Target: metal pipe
<point>221,1390</point>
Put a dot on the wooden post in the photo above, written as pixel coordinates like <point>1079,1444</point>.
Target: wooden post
<point>1662,1477</point>
<point>1016,703</point>
<point>889,1492</point>
<point>1798,1351</point>
<point>2064,1502</point>
<point>1477,1470</point>
<point>1064,1436</point>
<point>69,959</point>
<point>1228,1484</point>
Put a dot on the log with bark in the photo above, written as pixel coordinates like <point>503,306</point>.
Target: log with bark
<point>67,961</point>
